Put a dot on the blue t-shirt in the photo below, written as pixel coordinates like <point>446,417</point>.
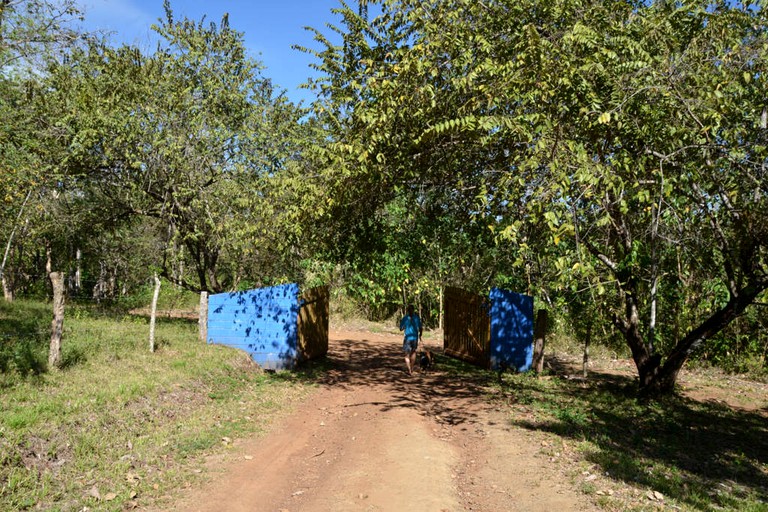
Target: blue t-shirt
<point>411,324</point>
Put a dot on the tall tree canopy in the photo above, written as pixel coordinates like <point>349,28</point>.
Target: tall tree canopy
<point>618,146</point>
<point>31,31</point>
<point>191,135</point>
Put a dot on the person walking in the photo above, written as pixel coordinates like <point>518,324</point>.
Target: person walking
<point>410,324</point>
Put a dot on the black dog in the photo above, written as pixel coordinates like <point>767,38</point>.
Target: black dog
<point>425,360</point>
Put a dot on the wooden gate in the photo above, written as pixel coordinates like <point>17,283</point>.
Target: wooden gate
<point>313,322</point>
<point>467,329</point>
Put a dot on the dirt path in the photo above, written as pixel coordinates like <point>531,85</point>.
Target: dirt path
<point>373,438</point>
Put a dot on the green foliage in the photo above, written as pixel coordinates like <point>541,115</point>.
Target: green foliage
<point>185,143</point>
<point>32,29</point>
<point>23,339</point>
<point>614,152</point>
<point>741,348</point>
<point>606,157</point>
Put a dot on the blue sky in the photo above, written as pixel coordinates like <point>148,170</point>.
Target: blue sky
<point>270,28</point>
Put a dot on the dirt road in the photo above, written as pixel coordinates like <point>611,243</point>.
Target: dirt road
<point>372,438</point>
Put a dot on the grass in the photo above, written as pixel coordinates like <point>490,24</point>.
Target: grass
<point>673,454</point>
<point>119,427</point>
<point>684,452</point>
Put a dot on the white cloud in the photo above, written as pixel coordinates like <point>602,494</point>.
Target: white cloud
<point>125,21</point>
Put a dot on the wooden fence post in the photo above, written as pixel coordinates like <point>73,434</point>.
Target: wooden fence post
<point>540,333</point>
<point>153,314</point>
<point>203,317</point>
<point>57,326</point>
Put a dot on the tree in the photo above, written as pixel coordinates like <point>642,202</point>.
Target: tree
<point>404,215</point>
<point>32,29</point>
<point>191,135</point>
<point>616,148</point>
<point>30,32</point>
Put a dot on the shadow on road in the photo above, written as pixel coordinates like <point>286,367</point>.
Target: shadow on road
<point>716,453</point>
<point>376,360</point>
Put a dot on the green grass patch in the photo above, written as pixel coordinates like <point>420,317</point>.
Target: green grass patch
<point>698,455</point>
<point>118,426</point>
<point>630,454</point>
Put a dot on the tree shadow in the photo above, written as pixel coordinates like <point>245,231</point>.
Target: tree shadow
<point>24,332</point>
<point>702,453</point>
<point>441,392</point>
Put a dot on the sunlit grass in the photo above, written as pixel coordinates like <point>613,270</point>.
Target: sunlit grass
<point>118,425</point>
<point>673,452</point>
<point>630,454</point>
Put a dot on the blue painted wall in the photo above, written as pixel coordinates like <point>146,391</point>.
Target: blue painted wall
<point>511,330</point>
<point>263,322</point>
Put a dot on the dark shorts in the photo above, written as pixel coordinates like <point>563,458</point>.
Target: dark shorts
<point>410,346</point>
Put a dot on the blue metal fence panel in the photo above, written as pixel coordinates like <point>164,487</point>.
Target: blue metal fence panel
<point>511,330</point>
<point>263,322</point>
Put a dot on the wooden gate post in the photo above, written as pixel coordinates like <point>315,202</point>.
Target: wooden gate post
<point>540,333</point>
<point>202,317</point>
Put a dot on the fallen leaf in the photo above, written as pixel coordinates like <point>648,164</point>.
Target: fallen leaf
<point>110,496</point>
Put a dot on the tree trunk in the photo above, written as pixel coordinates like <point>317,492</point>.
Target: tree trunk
<point>99,289</point>
<point>194,252</point>
<point>113,283</point>
<point>587,342</point>
<point>539,344</point>
<point>647,364</point>
<point>78,271</point>
<point>441,319</point>
<point>7,287</point>
<point>153,314</point>
<point>203,317</point>
<point>665,379</point>
<point>57,326</point>
<point>652,321</point>
<point>405,301</point>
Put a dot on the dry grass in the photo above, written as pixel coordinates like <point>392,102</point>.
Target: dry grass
<point>120,427</point>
